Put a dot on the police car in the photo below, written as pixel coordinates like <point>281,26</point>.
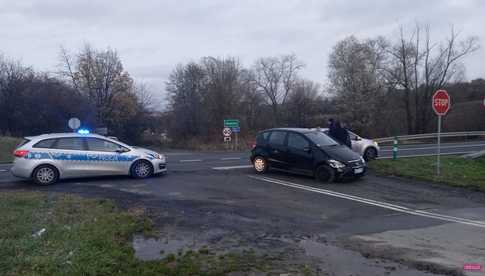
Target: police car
<point>50,157</point>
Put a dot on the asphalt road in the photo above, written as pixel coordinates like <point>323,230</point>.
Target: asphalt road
<point>374,226</point>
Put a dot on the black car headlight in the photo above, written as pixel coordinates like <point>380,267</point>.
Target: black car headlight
<point>336,164</point>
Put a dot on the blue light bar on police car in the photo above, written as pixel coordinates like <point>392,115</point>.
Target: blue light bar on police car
<point>83,131</point>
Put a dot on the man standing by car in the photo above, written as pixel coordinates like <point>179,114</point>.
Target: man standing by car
<point>337,132</point>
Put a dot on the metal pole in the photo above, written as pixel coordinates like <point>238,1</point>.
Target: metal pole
<point>439,146</point>
<point>394,148</point>
<point>236,142</point>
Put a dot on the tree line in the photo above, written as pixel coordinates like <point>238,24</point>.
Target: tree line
<point>91,85</point>
<point>379,86</point>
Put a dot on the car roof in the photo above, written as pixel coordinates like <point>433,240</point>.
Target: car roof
<point>294,129</point>
<point>67,134</point>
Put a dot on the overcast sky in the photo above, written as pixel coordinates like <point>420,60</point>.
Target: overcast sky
<point>152,36</point>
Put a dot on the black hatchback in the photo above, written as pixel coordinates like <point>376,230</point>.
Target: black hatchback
<point>305,151</point>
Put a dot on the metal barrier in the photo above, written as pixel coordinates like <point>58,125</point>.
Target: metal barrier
<point>430,135</point>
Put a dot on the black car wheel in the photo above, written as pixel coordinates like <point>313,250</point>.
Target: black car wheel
<point>260,164</point>
<point>45,175</point>
<point>370,154</point>
<point>142,169</point>
<point>325,174</point>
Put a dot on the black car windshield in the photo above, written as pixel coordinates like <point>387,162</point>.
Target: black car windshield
<point>321,139</point>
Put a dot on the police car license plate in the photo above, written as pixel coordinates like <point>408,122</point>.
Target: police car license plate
<point>358,170</point>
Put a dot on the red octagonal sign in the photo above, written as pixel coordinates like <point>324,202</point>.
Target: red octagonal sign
<point>441,102</point>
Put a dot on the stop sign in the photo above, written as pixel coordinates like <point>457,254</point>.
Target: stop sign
<point>441,102</point>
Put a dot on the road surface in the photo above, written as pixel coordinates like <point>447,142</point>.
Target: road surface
<point>374,226</point>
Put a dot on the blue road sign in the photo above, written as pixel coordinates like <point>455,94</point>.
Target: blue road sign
<point>236,129</point>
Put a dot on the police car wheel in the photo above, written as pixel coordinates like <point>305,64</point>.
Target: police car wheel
<point>142,169</point>
<point>45,175</point>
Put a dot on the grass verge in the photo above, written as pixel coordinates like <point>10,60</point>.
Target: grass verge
<point>90,237</point>
<point>455,171</point>
<point>7,145</point>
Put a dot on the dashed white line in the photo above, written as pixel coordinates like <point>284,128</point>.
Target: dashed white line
<point>232,167</point>
<point>3,170</point>
<point>191,160</point>
<point>385,205</point>
<point>231,158</point>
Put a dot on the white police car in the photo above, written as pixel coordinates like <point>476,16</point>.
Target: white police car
<point>50,157</point>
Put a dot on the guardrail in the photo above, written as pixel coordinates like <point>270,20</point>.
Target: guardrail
<point>430,135</point>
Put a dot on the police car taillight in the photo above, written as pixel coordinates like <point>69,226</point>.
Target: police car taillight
<point>20,153</point>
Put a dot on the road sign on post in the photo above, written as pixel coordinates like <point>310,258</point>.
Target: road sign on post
<point>441,104</point>
<point>226,132</point>
<point>233,124</point>
<point>74,123</point>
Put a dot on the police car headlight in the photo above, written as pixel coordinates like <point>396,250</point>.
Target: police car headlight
<point>336,164</point>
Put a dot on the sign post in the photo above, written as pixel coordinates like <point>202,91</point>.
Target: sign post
<point>441,105</point>
<point>74,123</point>
<point>226,132</point>
<point>233,126</point>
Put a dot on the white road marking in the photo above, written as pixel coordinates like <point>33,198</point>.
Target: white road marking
<point>232,167</point>
<point>424,155</point>
<point>385,205</point>
<point>191,160</point>
<point>231,158</point>
<point>435,147</point>
<point>3,170</point>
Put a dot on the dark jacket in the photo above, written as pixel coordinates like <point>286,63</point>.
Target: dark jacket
<point>337,132</point>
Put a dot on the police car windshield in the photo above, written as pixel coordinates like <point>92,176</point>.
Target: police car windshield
<point>321,139</point>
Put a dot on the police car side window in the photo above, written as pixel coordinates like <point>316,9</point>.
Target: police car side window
<point>71,143</point>
<point>95,144</point>
<point>45,144</point>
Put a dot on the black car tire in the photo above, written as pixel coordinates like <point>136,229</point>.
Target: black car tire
<point>141,169</point>
<point>260,164</point>
<point>325,174</point>
<point>370,154</point>
<point>45,175</point>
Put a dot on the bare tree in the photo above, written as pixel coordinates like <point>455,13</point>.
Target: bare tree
<point>14,79</point>
<point>303,104</point>
<point>275,77</point>
<point>356,81</point>
<point>419,66</point>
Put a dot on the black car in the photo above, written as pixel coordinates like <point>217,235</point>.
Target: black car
<point>305,151</point>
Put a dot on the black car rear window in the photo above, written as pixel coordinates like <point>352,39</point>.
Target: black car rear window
<point>45,144</point>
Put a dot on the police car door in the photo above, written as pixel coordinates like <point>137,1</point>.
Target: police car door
<point>106,157</point>
<point>70,155</point>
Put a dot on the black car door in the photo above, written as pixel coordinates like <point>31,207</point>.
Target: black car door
<point>299,154</point>
<point>277,149</point>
